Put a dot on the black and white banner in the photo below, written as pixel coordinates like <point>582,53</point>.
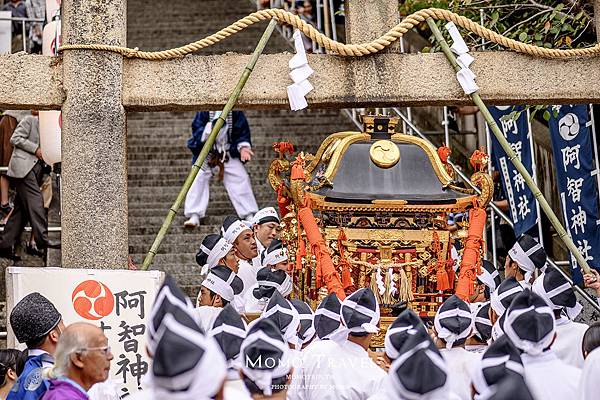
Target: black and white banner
<point>573,153</point>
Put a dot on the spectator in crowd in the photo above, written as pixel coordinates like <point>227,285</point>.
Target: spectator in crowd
<point>82,359</point>
<point>232,148</point>
<point>305,12</point>
<point>591,339</point>
<point>36,9</point>
<point>18,10</point>
<point>11,363</point>
<point>590,385</point>
<point>37,323</point>
<point>26,170</point>
<point>8,123</point>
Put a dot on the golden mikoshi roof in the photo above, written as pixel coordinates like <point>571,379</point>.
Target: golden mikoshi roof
<point>380,170</point>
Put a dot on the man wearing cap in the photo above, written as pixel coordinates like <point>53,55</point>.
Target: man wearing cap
<point>453,324</point>
<point>186,364</point>
<point>240,235</point>
<point>215,250</point>
<point>560,297</point>
<point>229,331</point>
<point>267,368</point>
<point>531,328</point>
<point>419,372</point>
<point>37,323</point>
<point>523,259</point>
<point>265,225</point>
<point>268,281</point>
<point>344,369</point>
<point>220,287</point>
<point>500,301</point>
<point>486,283</point>
<point>501,359</point>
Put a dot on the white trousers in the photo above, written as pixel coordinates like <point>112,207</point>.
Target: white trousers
<point>238,186</point>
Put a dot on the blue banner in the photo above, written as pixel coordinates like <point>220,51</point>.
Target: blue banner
<point>571,135</point>
<point>522,207</point>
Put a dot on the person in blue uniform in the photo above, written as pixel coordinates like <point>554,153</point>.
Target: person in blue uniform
<point>37,323</point>
<point>231,150</point>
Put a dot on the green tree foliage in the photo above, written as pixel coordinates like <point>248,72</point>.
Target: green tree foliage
<point>552,24</point>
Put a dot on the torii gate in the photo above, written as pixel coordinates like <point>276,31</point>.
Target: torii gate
<point>95,89</point>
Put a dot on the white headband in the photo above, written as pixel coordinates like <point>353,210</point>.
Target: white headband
<point>496,299</point>
<point>290,331</point>
<point>488,279</point>
<point>219,286</point>
<point>529,347</point>
<point>477,377</point>
<point>232,330</point>
<point>521,257</point>
<point>390,349</point>
<point>328,313</point>
<point>538,287</point>
<point>449,336</point>
<point>275,257</point>
<point>175,301</point>
<point>265,212</point>
<point>434,357</point>
<point>310,332</point>
<point>218,252</point>
<point>234,230</point>
<point>341,334</point>
<point>263,378</point>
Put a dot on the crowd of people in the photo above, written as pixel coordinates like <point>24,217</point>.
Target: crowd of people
<point>515,338</point>
<point>30,178</point>
<point>26,9</point>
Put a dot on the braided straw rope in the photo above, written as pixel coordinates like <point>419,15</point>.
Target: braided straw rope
<point>332,46</point>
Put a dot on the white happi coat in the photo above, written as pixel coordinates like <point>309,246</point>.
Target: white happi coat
<point>257,261</point>
<point>460,362</point>
<point>247,275</point>
<point>549,378</point>
<point>387,392</point>
<point>207,316</point>
<point>295,389</point>
<point>236,390</point>
<point>251,303</point>
<point>333,371</point>
<point>567,345</point>
<point>590,384</point>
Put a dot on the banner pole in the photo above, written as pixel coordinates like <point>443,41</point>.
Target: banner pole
<point>562,233</point>
<point>208,144</point>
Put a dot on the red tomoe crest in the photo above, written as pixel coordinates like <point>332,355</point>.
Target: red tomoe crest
<point>93,300</point>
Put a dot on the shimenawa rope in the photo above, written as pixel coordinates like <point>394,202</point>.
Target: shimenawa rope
<point>332,46</point>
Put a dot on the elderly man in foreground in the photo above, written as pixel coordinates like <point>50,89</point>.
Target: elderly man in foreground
<point>82,359</point>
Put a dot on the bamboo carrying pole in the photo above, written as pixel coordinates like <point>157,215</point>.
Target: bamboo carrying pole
<point>208,144</point>
<point>562,233</point>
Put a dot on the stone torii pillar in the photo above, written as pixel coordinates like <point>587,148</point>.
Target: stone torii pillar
<point>94,138</point>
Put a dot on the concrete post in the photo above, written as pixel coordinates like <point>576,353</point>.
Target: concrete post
<point>597,18</point>
<point>94,138</point>
<point>367,20</point>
